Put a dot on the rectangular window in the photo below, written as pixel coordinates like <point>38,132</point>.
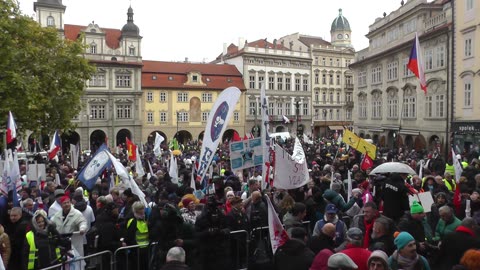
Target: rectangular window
<point>163,97</point>
<point>305,85</point>
<point>338,79</point>
<point>428,59</point>
<point>182,97</point>
<point>131,51</point>
<point>123,80</point>
<point>206,97</point>
<point>97,112</point>
<point>331,61</point>
<point>288,84</point>
<point>93,49</point>
<point>440,56</point>
<point>317,78</point>
<point>261,80</point>
<point>409,107</point>
<point>377,74</point>
<point>339,116</point>
<point>236,117</point>
<point>271,107</point>
<point>324,62</point>
<point>252,108</point>
<point>468,47</point>
<point>429,106</point>
<point>317,97</point>
<point>280,83</point>
<point>324,79</point>
<point>316,60</point>
<point>97,80</point>
<point>150,117</point>
<point>338,98</point>
<point>439,104</point>
<point>362,78</point>
<point>467,95</point>
<point>348,114</point>
<point>124,111</point>
<point>305,108</point>
<point>392,108</point>
<point>194,78</point>
<point>205,116</point>
<point>163,117</point>
<point>279,108</point>
<point>392,71</point>
<point>330,79</point>
<point>297,84</point>
<point>287,109</point>
<point>469,5</point>
<point>149,96</point>
<point>271,83</point>
<point>406,72</point>
<point>252,81</point>
<point>182,117</point>
<point>338,62</point>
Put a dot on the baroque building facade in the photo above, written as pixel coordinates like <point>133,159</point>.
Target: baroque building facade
<point>466,123</point>
<point>332,79</point>
<point>390,107</point>
<point>178,98</point>
<point>112,99</point>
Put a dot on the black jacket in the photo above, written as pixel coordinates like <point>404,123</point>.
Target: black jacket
<point>293,255</point>
<point>454,245</point>
<point>322,241</point>
<point>395,197</point>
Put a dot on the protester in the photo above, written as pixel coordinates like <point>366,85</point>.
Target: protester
<point>175,259</point>
<point>69,220</point>
<point>354,248</point>
<point>294,254</point>
<point>332,217</point>
<point>340,261</point>
<point>378,260</point>
<point>406,256</point>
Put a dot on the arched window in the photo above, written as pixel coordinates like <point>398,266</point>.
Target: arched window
<point>50,21</point>
<point>93,48</point>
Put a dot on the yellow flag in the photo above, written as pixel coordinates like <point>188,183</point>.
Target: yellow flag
<point>350,138</point>
<point>367,148</point>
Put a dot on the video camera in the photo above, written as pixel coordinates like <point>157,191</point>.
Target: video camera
<point>62,241</point>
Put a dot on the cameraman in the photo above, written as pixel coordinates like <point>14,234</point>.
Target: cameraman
<point>213,238</point>
<point>38,250</point>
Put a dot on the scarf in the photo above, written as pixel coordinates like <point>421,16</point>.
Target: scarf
<point>368,232</point>
<point>405,263</point>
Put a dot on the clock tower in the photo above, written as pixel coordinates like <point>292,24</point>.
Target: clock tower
<point>340,31</point>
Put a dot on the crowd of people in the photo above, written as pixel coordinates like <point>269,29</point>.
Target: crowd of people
<point>375,226</point>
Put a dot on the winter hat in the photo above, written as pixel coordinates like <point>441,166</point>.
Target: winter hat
<point>379,255</point>
<point>403,239</point>
<point>416,208</point>
<point>340,260</point>
<point>354,233</point>
<point>64,198</point>
<point>186,202</point>
<point>59,193</point>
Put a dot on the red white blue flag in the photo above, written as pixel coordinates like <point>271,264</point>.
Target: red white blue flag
<point>55,146</point>
<point>415,64</point>
<point>11,128</point>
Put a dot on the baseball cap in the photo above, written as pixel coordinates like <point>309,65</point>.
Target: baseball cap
<point>331,209</point>
<point>354,234</point>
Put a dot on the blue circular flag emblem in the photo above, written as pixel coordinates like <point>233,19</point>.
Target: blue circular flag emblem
<point>219,121</point>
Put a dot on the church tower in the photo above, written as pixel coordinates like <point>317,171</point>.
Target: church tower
<point>50,13</point>
<point>341,34</point>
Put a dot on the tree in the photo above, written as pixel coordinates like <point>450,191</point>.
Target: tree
<point>42,76</point>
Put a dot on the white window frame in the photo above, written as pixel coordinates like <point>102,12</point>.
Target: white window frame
<point>149,97</point>
<point>150,117</point>
<point>182,97</point>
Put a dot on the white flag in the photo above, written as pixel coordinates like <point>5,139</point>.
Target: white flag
<point>457,166</point>
<point>158,140</point>
<point>265,136</point>
<point>278,235</point>
<point>285,119</point>
<point>192,179</point>
<point>129,182</point>
<point>290,171</point>
<point>350,185</point>
<point>138,165</point>
<point>420,171</point>
<point>173,171</point>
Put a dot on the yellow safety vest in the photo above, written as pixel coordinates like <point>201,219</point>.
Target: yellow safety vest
<point>450,187</point>
<point>141,234</point>
<point>450,169</point>
<point>464,164</point>
<point>32,255</point>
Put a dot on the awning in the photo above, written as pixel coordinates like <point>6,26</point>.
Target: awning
<point>335,127</point>
<point>375,130</point>
<point>409,132</point>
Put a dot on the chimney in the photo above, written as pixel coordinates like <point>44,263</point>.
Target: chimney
<point>224,49</point>
<point>241,43</point>
<point>186,59</point>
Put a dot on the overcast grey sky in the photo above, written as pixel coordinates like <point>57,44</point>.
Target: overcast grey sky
<point>173,30</point>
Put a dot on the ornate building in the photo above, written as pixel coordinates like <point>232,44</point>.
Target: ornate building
<point>331,80</point>
<point>286,74</point>
<point>390,107</point>
<point>112,100</point>
<point>466,124</point>
<point>178,98</point>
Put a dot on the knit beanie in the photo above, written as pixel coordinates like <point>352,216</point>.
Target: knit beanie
<point>416,208</point>
<point>379,255</point>
<point>403,239</point>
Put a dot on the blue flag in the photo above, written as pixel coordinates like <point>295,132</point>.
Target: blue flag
<point>90,172</point>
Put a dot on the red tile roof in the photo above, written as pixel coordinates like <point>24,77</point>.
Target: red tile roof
<point>215,77</point>
<point>232,49</point>
<point>316,41</point>
<point>112,36</point>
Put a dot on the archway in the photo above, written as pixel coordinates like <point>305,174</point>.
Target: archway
<point>200,136</point>
<point>391,139</point>
<point>121,135</point>
<point>382,141</point>
<point>153,135</point>
<point>368,136</point>
<point>183,136</point>
<point>361,135</point>
<point>69,137</point>
<point>409,142</point>
<point>420,143</point>
<point>228,135</point>
<point>97,138</point>
<point>375,139</point>
<point>280,129</point>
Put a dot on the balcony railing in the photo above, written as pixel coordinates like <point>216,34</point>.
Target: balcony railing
<point>433,22</point>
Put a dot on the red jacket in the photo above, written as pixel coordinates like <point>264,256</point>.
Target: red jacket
<point>359,255</point>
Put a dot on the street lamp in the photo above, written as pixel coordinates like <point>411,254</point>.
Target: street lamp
<point>324,111</point>
<point>394,140</point>
<point>255,127</point>
<point>297,111</point>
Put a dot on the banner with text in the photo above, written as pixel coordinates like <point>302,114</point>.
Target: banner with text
<point>291,171</point>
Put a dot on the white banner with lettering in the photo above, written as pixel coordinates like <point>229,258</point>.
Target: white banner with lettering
<point>291,171</point>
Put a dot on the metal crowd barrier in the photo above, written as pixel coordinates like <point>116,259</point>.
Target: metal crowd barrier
<point>74,264</point>
<point>141,254</point>
<point>241,251</point>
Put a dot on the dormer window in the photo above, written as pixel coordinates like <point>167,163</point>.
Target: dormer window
<point>93,48</point>
<point>50,21</point>
<point>131,51</point>
<point>194,78</point>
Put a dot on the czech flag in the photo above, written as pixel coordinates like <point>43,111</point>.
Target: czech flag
<point>415,63</point>
<point>132,150</point>
<point>11,128</point>
<point>55,146</point>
